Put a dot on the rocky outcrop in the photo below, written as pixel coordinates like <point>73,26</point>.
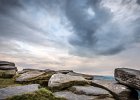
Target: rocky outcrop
<point>35,76</point>
<point>120,92</point>
<point>90,91</point>
<point>61,81</point>
<point>129,77</point>
<point>17,90</point>
<point>71,96</point>
<point>7,69</point>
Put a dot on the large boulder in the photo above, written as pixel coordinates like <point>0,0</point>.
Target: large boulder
<point>90,91</point>
<point>71,96</point>
<point>7,69</point>
<point>17,90</point>
<point>35,76</point>
<point>129,77</point>
<point>61,81</point>
<point>119,92</point>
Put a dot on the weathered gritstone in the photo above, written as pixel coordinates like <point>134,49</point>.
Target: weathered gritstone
<point>120,92</point>
<point>129,77</point>
<point>17,90</point>
<point>61,81</point>
<point>71,96</point>
<point>90,90</point>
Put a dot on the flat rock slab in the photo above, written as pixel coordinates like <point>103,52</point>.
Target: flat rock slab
<point>90,90</point>
<point>28,75</point>
<point>60,81</point>
<point>8,67</point>
<point>71,96</point>
<point>88,77</point>
<point>6,63</point>
<point>119,91</point>
<point>129,77</point>
<point>17,90</point>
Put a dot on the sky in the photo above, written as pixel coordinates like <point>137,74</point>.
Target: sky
<point>87,36</point>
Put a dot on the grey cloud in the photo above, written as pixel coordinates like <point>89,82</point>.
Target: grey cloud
<point>93,34</point>
<point>99,35</point>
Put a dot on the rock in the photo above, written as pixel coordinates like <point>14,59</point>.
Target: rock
<point>5,63</point>
<point>28,70</point>
<point>64,71</point>
<point>120,92</point>
<point>7,71</point>
<point>35,76</point>
<point>71,96</point>
<point>60,81</point>
<point>129,77</point>
<point>88,77</point>
<point>17,90</point>
<point>90,90</point>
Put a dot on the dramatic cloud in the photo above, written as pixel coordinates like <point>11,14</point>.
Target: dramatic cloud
<point>82,35</point>
<point>102,29</point>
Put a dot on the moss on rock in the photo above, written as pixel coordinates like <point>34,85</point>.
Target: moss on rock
<point>42,94</point>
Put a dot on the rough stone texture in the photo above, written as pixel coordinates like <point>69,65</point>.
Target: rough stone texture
<point>2,63</point>
<point>90,90</point>
<point>7,73</point>
<point>71,96</point>
<point>60,81</point>
<point>88,77</point>
<point>129,77</point>
<point>28,75</point>
<point>17,90</point>
<point>120,92</point>
<point>35,76</point>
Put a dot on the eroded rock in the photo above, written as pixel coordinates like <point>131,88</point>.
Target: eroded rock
<point>17,90</point>
<point>5,63</point>
<point>60,81</point>
<point>7,69</point>
<point>129,77</point>
<point>90,90</point>
<point>71,96</point>
<point>35,76</point>
<point>120,92</point>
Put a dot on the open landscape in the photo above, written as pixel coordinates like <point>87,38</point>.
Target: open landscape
<point>69,49</point>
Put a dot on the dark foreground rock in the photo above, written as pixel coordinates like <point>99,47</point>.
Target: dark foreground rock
<point>17,90</point>
<point>120,92</point>
<point>7,69</point>
<point>129,77</point>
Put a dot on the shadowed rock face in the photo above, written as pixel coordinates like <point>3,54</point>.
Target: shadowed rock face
<point>120,92</point>
<point>129,77</point>
<point>17,90</point>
